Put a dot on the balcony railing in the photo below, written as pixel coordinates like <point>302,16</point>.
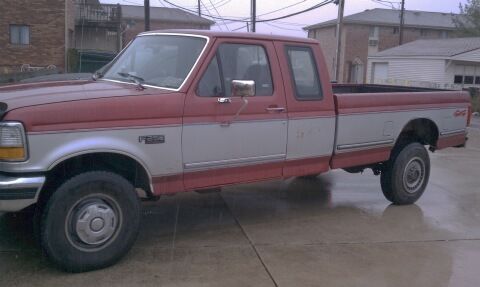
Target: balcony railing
<point>97,13</point>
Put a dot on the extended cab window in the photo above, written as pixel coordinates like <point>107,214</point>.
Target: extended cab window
<point>236,62</point>
<point>304,72</point>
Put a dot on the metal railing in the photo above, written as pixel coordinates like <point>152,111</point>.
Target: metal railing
<point>97,13</point>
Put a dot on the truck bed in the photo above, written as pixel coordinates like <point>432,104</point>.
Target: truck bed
<point>371,117</point>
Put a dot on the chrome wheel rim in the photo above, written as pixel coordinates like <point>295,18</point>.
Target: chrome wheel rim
<point>93,222</point>
<point>414,175</point>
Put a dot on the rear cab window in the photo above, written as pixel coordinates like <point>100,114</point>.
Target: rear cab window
<point>304,73</point>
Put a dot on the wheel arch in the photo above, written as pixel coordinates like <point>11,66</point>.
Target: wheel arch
<point>122,163</point>
<point>422,130</point>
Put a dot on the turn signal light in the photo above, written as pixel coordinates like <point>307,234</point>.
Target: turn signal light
<point>12,153</point>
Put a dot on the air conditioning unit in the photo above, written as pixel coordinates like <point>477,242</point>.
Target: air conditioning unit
<point>373,43</point>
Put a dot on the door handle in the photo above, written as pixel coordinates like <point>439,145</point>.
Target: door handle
<point>224,100</point>
<point>275,109</point>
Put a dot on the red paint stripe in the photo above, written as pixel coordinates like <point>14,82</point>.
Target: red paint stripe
<point>306,166</point>
<point>408,108</point>
<point>450,141</point>
<point>236,175</point>
<point>168,184</point>
<point>232,175</point>
<point>369,102</point>
<point>361,157</point>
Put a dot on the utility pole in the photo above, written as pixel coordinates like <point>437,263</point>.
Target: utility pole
<point>147,14</point>
<point>199,9</point>
<point>402,23</point>
<point>254,13</point>
<point>338,49</point>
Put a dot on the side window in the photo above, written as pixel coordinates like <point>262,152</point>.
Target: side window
<point>245,62</point>
<point>304,71</point>
<point>211,84</point>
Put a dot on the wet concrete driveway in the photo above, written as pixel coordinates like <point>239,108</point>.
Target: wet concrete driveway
<point>337,230</point>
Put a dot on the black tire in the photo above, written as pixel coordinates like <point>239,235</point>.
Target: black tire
<point>90,222</point>
<point>309,176</point>
<point>406,174</point>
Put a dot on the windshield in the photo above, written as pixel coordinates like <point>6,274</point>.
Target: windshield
<point>157,60</point>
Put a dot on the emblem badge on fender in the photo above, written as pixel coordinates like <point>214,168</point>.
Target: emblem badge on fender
<point>152,139</point>
<point>460,113</point>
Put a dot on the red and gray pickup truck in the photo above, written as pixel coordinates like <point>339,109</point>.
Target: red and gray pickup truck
<point>186,110</point>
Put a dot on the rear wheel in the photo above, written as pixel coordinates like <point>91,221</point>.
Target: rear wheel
<point>406,174</point>
<point>90,222</point>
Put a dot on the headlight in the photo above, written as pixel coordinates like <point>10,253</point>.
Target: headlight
<point>12,142</point>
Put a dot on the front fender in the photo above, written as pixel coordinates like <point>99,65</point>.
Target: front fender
<point>46,150</point>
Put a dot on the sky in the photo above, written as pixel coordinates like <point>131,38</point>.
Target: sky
<point>239,9</point>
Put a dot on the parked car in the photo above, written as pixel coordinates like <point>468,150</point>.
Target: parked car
<point>190,110</point>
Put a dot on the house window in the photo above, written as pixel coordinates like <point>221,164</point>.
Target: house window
<point>477,80</point>
<point>19,35</point>
<point>444,34</point>
<point>373,32</point>
<point>458,79</point>
<point>395,30</point>
<point>423,33</point>
<point>468,80</point>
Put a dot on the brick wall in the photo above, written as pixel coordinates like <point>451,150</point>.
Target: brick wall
<point>387,38</point>
<point>46,19</point>
<point>356,46</point>
<point>327,38</point>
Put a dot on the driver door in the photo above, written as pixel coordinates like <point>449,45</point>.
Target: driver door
<point>220,147</point>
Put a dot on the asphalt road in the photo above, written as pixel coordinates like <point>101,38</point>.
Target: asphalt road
<point>337,230</point>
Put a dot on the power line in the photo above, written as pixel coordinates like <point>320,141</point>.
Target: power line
<point>218,13</point>
<point>386,3</point>
<point>299,12</point>
<point>283,28</point>
<point>283,8</point>
<point>245,20</point>
<point>236,29</point>
<point>210,15</point>
<point>217,4</point>
<point>289,23</point>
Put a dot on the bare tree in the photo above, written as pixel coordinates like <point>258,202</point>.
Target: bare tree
<point>468,21</point>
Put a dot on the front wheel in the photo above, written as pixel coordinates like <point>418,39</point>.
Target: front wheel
<point>406,174</point>
<point>90,222</point>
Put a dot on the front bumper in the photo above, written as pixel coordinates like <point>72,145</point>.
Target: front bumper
<point>16,193</point>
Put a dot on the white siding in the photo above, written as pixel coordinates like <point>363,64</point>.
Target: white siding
<point>411,72</point>
<point>462,69</point>
<point>423,70</point>
<point>380,71</point>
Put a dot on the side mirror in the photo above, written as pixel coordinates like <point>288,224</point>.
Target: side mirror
<point>243,88</point>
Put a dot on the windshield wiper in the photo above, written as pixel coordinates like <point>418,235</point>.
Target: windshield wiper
<point>136,79</point>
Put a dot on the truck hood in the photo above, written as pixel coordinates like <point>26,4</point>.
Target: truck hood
<point>24,95</point>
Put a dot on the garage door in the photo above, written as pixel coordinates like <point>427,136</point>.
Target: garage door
<point>379,72</point>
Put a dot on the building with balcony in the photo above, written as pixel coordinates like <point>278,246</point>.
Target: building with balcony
<point>56,33</point>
